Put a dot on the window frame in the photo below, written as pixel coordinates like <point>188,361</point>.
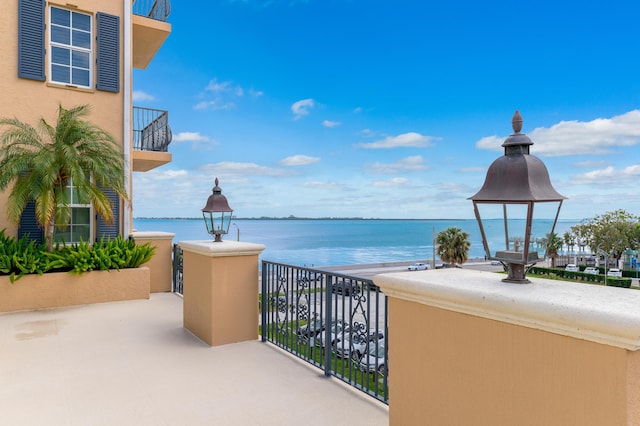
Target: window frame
<point>51,45</point>
<point>73,205</point>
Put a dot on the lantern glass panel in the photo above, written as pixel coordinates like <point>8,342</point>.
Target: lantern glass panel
<point>505,228</point>
<point>223,224</point>
<point>544,221</point>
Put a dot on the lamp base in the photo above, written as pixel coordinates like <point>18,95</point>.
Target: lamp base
<point>516,274</point>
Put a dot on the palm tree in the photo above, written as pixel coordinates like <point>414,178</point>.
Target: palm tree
<point>552,243</point>
<point>453,245</point>
<point>40,162</point>
<point>569,239</point>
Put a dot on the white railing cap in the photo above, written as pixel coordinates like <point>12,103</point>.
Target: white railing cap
<point>607,315</point>
<point>222,248</point>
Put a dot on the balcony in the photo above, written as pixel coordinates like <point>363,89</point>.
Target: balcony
<point>150,29</point>
<point>151,138</point>
<point>134,363</point>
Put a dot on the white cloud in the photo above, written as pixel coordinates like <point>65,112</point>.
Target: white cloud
<point>595,137</point>
<point>216,104</point>
<point>357,110</point>
<point>222,95</point>
<point>140,96</point>
<point>190,137</point>
<point>169,174</point>
<point>409,164</point>
<point>322,185</point>
<point>411,139</point>
<point>299,160</point>
<point>301,108</point>
<point>609,176</point>
<point>241,170</point>
<point>452,187</point>
<point>216,86</point>
<point>472,169</point>
<point>328,123</point>
<point>590,164</point>
<point>367,133</point>
<point>391,183</point>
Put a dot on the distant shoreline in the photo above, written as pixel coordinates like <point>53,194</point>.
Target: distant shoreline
<point>320,218</point>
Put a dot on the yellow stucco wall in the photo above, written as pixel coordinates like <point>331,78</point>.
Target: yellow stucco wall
<point>29,100</point>
<point>221,297</point>
<point>449,368</point>
<point>161,264</point>
<point>58,289</point>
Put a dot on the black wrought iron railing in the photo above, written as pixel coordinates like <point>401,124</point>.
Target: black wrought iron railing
<point>151,131</point>
<point>336,322</point>
<point>177,269</point>
<point>154,9</point>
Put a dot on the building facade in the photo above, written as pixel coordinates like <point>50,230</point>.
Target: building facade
<point>83,52</point>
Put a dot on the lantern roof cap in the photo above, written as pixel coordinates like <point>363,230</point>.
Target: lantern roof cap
<point>517,176</point>
<point>216,201</point>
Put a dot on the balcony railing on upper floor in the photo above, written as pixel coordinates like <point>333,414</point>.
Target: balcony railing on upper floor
<point>151,131</point>
<point>154,9</point>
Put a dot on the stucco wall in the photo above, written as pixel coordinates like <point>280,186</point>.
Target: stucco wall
<point>221,290</point>
<point>29,100</point>
<point>466,370</point>
<point>65,289</point>
<point>466,348</point>
<point>161,264</point>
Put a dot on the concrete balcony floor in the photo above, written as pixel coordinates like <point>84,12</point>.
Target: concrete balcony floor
<point>132,363</point>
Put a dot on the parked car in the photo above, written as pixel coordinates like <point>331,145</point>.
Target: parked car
<point>310,331</point>
<point>355,344</point>
<point>345,287</point>
<point>614,272</point>
<point>418,267</point>
<point>337,332</point>
<point>373,360</point>
<point>591,270</point>
<point>572,268</point>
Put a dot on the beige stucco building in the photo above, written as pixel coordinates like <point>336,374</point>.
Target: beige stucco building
<point>83,52</point>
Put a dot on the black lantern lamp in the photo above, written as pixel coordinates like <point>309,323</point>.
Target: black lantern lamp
<point>516,199</point>
<point>217,214</point>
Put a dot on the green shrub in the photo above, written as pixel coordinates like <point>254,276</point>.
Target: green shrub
<point>19,257</point>
<point>619,282</point>
<point>581,276</point>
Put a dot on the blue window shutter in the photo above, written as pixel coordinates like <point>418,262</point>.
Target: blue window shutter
<point>113,230</point>
<point>108,54</point>
<point>29,225</point>
<point>31,39</point>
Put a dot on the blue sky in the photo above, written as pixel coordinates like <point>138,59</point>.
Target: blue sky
<point>343,108</point>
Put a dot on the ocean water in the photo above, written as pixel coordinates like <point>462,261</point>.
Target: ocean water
<point>338,242</point>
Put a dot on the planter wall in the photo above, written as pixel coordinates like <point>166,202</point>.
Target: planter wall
<point>161,263</point>
<point>64,289</point>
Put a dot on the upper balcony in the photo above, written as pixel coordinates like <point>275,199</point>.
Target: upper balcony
<point>151,138</point>
<point>150,29</point>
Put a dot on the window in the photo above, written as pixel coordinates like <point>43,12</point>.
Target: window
<point>70,47</point>
<point>79,226</point>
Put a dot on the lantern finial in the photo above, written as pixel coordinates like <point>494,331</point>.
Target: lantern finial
<point>516,122</point>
